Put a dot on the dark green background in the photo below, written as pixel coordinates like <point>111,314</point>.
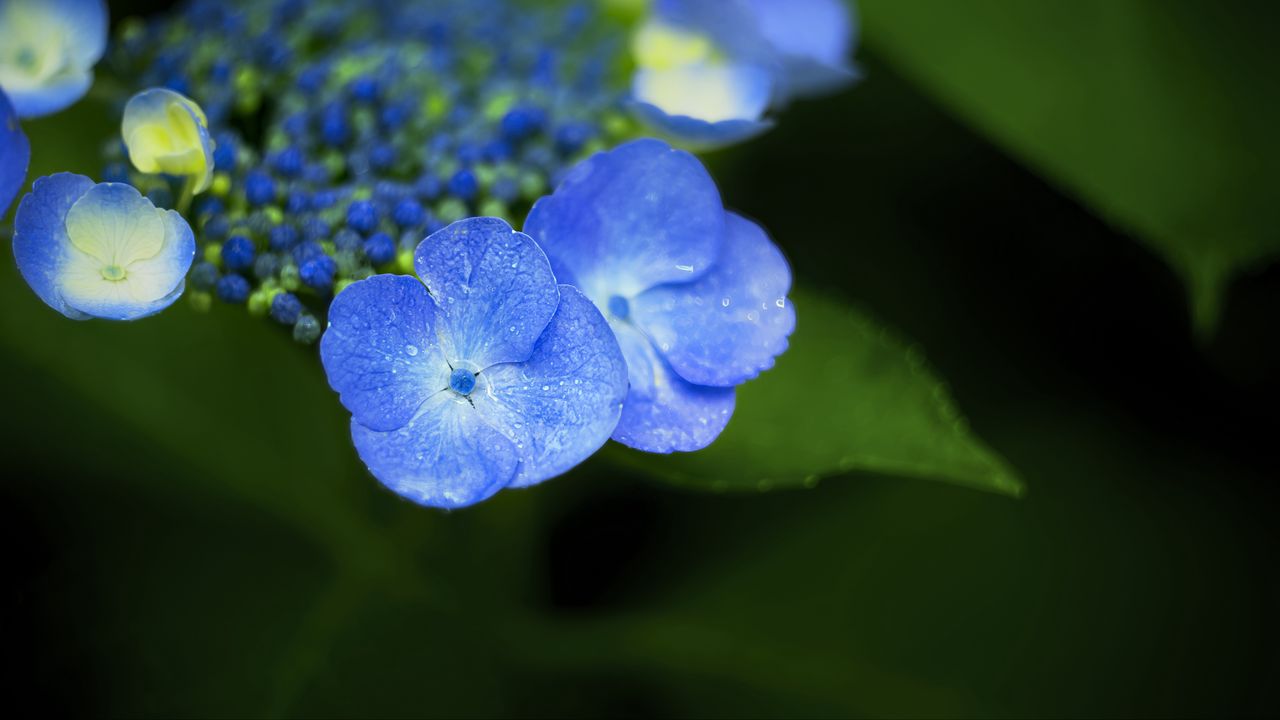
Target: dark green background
<point>206,543</point>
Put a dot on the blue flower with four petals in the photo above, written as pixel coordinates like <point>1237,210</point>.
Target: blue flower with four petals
<point>482,373</point>
<point>100,250</point>
<point>696,295</point>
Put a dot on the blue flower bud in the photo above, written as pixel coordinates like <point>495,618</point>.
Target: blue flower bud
<point>237,253</point>
<point>288,162</point>
<point>365,89</point>
<point>464,184</point>
<point>318,272</point>
<point>307,250</point>
<point>306,330</point>
<point>522,122</point>
<point>204,275</point>
<point>285,308</point>
<point>259,188</point>
<point>334,128</point>
<point>233,289</point>
<point>282,237</point>
<point>380,248</point>
<point>408,213</point>
<point>224,152</point>
<point>362,216</point>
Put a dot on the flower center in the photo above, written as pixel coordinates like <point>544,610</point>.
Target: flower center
<point>26,59</point>
<point>619,307</point>
<point>114,273</point>
<point>462,381</point>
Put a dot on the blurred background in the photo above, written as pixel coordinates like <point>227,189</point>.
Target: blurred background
<point>188,531</point>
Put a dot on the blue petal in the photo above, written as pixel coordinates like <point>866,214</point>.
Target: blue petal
<point>381,351</point>
<point>494,288</point>
<point>631,218</point>
<point>446,456</point>
<point>727,326</point>
<point>86,25</point>
<point>48,99</point>
<point>40,235</point>
<point>562,404</point>
<point>663,412</point>
<point>15,154</point>
<point>696,134</point>
<point>814,38</point>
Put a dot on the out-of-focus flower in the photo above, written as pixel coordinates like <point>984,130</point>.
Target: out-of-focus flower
<point>487,376</point>
<point>47,51</point>
<point>686,88</point>
<point>707,70</point>
<point>166,132</point>
<point>100,250</point>
<point>697,296</point>
<point>15,154</point>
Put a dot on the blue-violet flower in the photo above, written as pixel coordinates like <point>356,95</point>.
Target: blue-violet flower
<point>482,374</point>
<point>696,295</point>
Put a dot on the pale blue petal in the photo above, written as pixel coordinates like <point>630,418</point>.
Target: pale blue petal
<point>494,288</point>
<point>623,221</point>
<point>663,412</point>
<point>40,235</point>
<point>48,99</point>
<point>563,403</point>
<point>446,456</point>
<point>696,134</point>
<point>727,326</point>
<point>381,351</point>
<point>819,30</point>
<point>15,154</point>
<point>86,23</point>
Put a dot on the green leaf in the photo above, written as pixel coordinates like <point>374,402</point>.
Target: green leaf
<point>1153,112</point>
<point>846,397</point>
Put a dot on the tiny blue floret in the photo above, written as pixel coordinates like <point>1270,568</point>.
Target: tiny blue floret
<point>237,253</point>
<point>362,216</point>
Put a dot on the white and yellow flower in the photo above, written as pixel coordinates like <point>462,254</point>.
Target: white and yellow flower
<point>100,250</point>
<point>47,51</point>
<point>167,133</point>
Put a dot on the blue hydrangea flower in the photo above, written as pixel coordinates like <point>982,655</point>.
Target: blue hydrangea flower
<point>696,295</point>
<point>708,69</point>
<point>166,132</point>
<point>15,154</point>
<point>100,250</point>
<point>481,375</point>
<point>685,88</point>
<point>47,51</point>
